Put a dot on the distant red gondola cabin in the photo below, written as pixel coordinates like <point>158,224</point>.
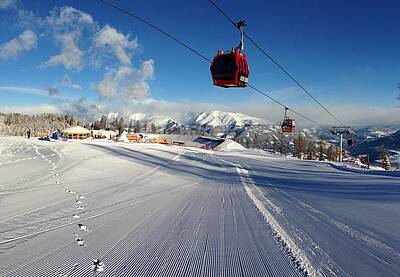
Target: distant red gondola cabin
<point>288,125</point>
<point>230,69</point>
<point>351,142</point>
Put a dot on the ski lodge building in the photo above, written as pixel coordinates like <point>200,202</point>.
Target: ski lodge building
<point>76,132</point>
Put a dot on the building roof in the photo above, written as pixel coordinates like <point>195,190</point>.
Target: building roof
<point>76,130</point>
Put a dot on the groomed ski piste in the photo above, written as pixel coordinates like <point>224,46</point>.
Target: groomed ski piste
<point>118,209</point>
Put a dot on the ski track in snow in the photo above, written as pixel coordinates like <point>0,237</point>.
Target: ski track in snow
<point>295,253</point>
<point>155,210</point>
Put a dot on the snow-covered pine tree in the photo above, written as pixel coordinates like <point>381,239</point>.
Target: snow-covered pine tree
<point>103,122</point>
<point>384,155</point>
<point>320,150</point>
<point>299,146</point>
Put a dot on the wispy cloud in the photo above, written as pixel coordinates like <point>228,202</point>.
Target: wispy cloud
<point>7,4</point>
<point>71,57</point>
<point>23,43</point>
<point>25,90</point>
<point>68,83</point>
<point>126,82</point>
<point>109,38</point>
<point>67,25</point>
<point>51,92</point>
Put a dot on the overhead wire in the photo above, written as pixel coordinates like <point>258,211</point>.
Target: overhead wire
<point>289,109</point>
<point>276,63</point>
<point>146,22</point>
<point>156,28</point>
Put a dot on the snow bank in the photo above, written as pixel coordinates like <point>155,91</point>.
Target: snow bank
<point>230,145</point>
<point>123,138</point>
<point>372,170</point>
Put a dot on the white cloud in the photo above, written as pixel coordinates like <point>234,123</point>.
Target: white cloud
<point>67,82</point>
<point>71,57</point>
<point>7,4</point>
<point>126,82</point>
<point>67,19</point>
<point>110,38</point>
<point>27,19</point>
<point>68,25</point>
<point>80,109</point>
<point>24,42</point>
<point>147,70</point>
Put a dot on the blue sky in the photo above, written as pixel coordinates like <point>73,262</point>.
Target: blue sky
<point>345,52</point>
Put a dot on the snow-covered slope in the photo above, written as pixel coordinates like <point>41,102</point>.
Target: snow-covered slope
<point>158,210</point>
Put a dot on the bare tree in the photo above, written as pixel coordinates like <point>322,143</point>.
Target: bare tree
<point>137,126</point>
<point>121,125</point>
<point>145,126</point>
<point>281,144</point>
<point>311,150</point>
<point>299,146</point>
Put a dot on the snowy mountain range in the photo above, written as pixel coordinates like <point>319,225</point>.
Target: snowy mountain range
<point>388,140</point>
<point>256,132</point>
<point>160,121</point>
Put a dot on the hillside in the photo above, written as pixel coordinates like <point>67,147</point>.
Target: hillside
<point>391,142</point>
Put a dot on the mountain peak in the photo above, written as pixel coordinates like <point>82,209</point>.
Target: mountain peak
<point>212,119</point>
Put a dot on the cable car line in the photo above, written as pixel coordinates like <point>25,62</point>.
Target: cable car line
<point>284,106</point>
<point>275,62</point>
<point>156,28</point>
<point>200,55</point>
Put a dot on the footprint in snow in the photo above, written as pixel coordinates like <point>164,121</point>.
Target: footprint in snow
<point>83,227</point>
<point>98,266</point>
<point>80,241</point>
<point>80,196</point>
<point>80,208</point>
<point>78,201</point>
<point>75,216</point>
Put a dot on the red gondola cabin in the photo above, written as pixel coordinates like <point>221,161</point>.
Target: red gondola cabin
<point>351,142</point>
<point>230,69</point>
<point>288,125</point>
